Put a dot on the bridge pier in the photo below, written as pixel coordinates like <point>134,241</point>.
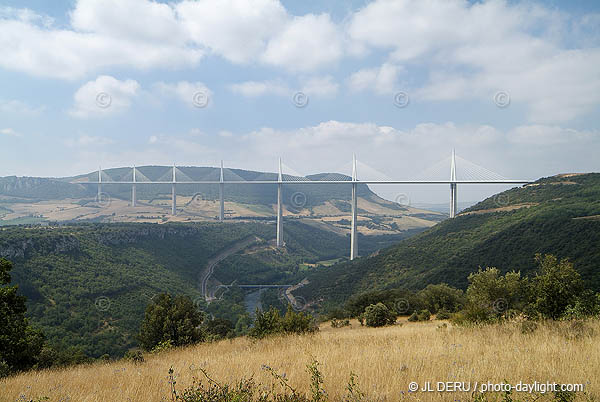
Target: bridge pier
<point>173,195</point>
<point>279,208</point>
<point>133,193</point>
<point>99,184</point>
<point>453,200</point>
<point>353,238</point>
<point>221,194</point>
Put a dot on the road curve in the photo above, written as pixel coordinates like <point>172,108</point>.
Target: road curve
<point>212,263</point>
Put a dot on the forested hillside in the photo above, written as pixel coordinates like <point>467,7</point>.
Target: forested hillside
<point>558,215</point>
<point>88,284</point>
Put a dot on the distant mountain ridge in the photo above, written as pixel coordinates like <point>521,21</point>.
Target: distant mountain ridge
<point>32,200</point>
<point>72,187</point>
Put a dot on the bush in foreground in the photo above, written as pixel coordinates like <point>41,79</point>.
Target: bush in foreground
<point>247,390</point>
<point>270,322</point>
<point>171,319</point>
<point>378,315</point>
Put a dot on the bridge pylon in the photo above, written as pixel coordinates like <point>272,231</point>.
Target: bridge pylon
<point>279,208</point>
<point>453,199</point>
<point>353,238</point>
<point>173,194</point>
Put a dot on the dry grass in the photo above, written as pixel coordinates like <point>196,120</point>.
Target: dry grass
<point>385,360</point>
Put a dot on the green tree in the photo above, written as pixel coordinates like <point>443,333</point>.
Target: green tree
<point>490,294</point>
<point>266,323</point>
<point>442,297</point>
<point>20,344</point>
<point>175,319</point>
<point>378,315</point>
<point>557,285</point>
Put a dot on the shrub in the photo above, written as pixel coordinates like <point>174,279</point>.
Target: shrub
<point>175,319</point>
<point>162,346</point>
<point>340,323</point>
<point>556,286</point>
<point>378,315</point>
<point>443,315</point>
<point>294,322</point>
<point>528,327</point>
<point>266,323</point>
<point>442,297</point>
<point>490,295</point>
<point>270,322</point>
<point>422,315</point>
<point>210,390</point>
<point>218,328</point>
<point>136,356</point>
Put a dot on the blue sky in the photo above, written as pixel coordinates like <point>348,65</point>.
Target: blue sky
<point>113,82</point>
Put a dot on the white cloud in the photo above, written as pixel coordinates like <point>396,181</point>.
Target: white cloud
<point>471,50</point>
<point>312,86</point>
<point>382,80</point>
<point>320,86</point>
<point>258,88</point>
<point>18,107</point>
<point>534,135</point>
<point>193,94</point>
<point>402,154</point>
<point>85,140</point>
<point>236,29</point>
<point>306,43</point>
<point>103,97</point>
<point>95,43</point>
<point>10,132</point>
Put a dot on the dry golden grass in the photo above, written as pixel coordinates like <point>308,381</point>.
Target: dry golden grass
<point>385,361</point>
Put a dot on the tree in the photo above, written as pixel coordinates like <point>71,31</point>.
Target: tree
<point>442,297</point>
<point>490,294</point>
<point>20,344</point>
<point>175,319</point>
<point>378,315</point>
<point>557,285</point>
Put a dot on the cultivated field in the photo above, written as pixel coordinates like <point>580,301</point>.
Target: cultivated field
<point>385,361</point>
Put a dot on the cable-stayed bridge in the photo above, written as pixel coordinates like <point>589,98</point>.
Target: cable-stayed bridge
<point>452,171</point>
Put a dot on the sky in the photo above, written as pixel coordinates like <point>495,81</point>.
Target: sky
<point>512,86</point>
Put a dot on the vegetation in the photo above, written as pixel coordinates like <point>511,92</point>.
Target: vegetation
<point>556,215</point>
<point>383,360</point>
<point>270,322</point>
<point>378,315</point>
<point>20,343</point>
<point>174,320</point>
<point>87,285</point>
<point>555,291</point>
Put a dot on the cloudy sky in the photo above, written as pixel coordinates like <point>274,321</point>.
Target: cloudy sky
<point>513,86</point>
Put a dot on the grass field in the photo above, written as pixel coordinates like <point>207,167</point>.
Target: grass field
<point>385,361</point>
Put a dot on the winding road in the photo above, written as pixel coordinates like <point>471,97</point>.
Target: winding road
<point>205,275</point>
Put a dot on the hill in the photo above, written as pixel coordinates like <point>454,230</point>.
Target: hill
<point>558,215</point>
<point>384,360</point>
<point>88,284</point>
<point>29,200</point>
